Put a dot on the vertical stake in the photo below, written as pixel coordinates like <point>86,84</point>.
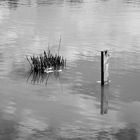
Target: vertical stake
<point>102,68</point>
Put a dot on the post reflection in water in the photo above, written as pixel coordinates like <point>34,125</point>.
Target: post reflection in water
<point>104,99</point>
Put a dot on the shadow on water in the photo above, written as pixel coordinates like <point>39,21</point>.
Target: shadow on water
<point>12,4</point>
<point>49,2</point>
<point>126,133</point>
<point>131,1</point>
<point>76,1</point>
<point>7,128</point>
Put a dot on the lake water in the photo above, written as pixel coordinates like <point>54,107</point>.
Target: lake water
<point>70,105</point>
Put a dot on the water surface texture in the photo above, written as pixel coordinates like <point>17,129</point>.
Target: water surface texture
<point>70,105</point>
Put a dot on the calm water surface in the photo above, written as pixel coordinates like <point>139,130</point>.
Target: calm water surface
<point>70,105</point>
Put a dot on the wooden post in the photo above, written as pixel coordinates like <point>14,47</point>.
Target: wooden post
<point>102,68</point>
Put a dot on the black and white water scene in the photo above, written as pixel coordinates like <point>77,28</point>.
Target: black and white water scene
<point>69,70</point>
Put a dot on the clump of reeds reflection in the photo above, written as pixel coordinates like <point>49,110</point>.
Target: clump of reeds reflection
<point>39,77</point>
<point>46,61</point>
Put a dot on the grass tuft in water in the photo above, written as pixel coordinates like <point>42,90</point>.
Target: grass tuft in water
<point>46,62</point>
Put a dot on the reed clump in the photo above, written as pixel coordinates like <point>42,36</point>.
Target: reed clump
<point>46,61</point>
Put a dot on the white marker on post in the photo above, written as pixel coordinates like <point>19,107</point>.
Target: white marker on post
<point>106,67</point>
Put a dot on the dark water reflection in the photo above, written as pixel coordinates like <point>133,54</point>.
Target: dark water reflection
<point>38,77</point>
<point>72,105</point>
<point>104,100</point>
